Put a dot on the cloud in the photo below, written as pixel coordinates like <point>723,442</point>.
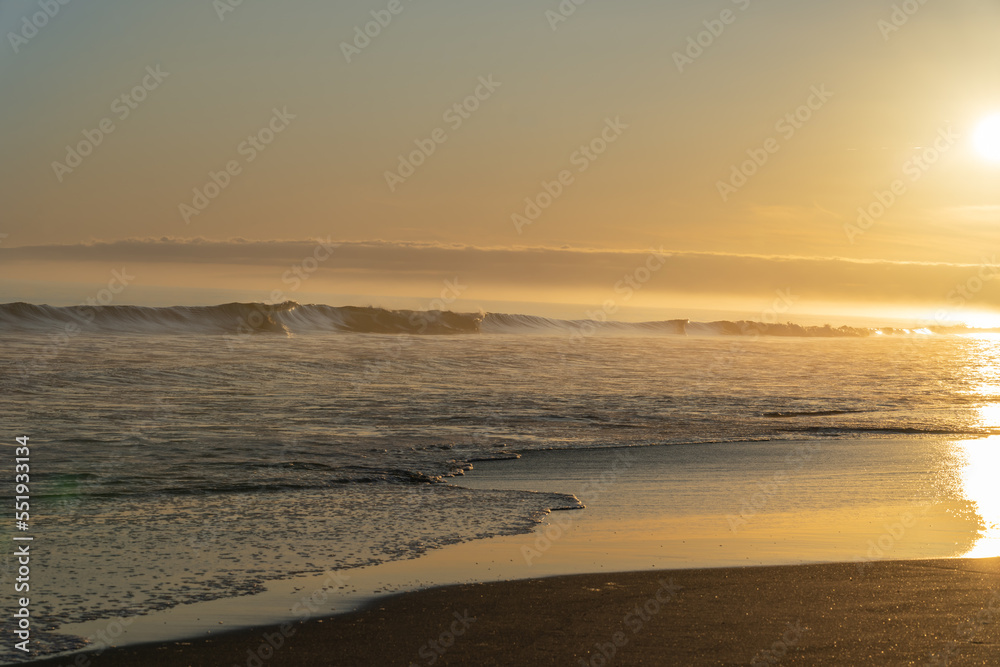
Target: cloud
<point>547,271</point>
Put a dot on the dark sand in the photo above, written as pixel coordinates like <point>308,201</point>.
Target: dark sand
<point>884,613</point>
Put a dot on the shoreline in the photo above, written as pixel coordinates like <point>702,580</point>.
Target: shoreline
<point>881,612</point>
<point>611,535</point>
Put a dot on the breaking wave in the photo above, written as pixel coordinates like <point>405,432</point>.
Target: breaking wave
<point>292,318</point>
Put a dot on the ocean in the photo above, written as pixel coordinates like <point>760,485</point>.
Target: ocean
<point>181,454</point>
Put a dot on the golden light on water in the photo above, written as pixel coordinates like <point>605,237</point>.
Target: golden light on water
<point>979,485</point>
<point>980,458</point>
<point>982,320</point>
<point>989,415</point>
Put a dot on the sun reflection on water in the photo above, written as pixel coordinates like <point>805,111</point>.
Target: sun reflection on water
<point>989,415</point>
<point>979,485</point>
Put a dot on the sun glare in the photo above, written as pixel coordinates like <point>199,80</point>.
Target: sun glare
<point>982,320</point>
<point>987,138</point>
<point>979,486</point>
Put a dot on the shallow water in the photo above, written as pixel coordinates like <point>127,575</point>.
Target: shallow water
<point>780,502</point>
<point>759,503</point>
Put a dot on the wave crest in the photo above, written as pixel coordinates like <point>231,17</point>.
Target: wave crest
<point>292,318</point>
<point>235,318</point>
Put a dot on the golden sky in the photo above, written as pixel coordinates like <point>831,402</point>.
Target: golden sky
<point>556,148</point>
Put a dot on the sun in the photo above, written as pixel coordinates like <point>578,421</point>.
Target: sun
<point>987,138</point>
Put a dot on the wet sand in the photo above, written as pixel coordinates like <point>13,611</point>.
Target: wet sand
<point>878,613</point>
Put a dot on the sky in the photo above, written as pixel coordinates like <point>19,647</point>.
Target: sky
<point>539,152</point>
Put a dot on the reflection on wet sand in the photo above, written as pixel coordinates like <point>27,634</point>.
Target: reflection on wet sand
<point>979,485</point>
